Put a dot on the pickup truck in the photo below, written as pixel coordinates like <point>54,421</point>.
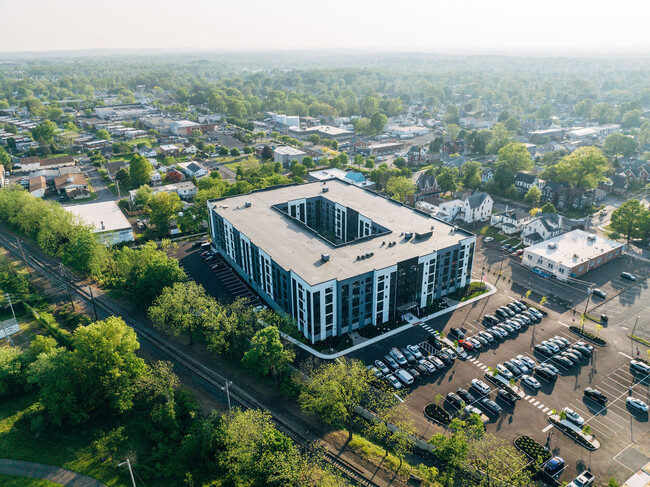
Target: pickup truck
<point>585,479</point>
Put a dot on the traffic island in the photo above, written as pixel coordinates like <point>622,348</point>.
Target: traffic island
<point>574,432</point>
<point>588,336</point>
<point>532,449</point>
<point>437,414</point>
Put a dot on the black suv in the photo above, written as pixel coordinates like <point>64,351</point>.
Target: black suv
<point>465,395</point>
<point>490,320</point>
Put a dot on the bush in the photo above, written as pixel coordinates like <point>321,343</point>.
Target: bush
<point>437,413</point>
<point>589,336</point>
<point>532,449</point>
<point>47,321</point>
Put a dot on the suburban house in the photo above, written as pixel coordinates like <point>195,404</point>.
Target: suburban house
<point>487,174</point>
<point>426,186</point>
<point>416,156</point>
<point>185,190</point>
<point>37,186</point>
<point>638,171</point>
<point>476,207</point>
<point>169,150</point>
<point>542,227</point>
<point>510,221</point>
<point>31,164</point>
<point>156,177</point>
<point>147,152</point>
<point>193,169</point>
<point>72,185</point>
<point>112,168</point>
<point>525,181</point>
<point>618,183</point>
<point>190,149</point>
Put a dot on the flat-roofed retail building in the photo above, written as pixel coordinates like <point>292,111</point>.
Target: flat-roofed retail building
<point>337,257</point>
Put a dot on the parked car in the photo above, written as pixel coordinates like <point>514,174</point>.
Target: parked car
<point>505,247</point>
<point>487,336</point>
<point>457,332</point>
<point>529,362</point>
<point>599,293</point>
<point>398,356</point>
<point>574,417</point>
<point>488,239</point>
<point>393,381</point>
<point>545,373</point>
<point>512,368</point>
<point>583,350</point>
<point>437,362</point>
<point>629,276</point>
<point>375,371</point>
<point>404,377</point>
<point>509,328</point>
<point>554,466</point>
<point>513,307</point>
<point>455,400</point>
<point>596,395</point>
<point>465,395</point>
<point>520,365</point>
<point>427,364</point>
<point>445,357</point>
<point>414,373</point>
<point>474,341</point>
<point>450,352</point>
<point>390,361</point>
<point>640,367</point>
<point>530,381</point>
<point>415,350</point>
<point>466,344</point>
<point>501,314</point>
<point>562,339</point>
<point>408,355</point>
<point>490,320</point>
<point>481,339</point>
<point>553,346</point>
<point>637,404</point>
<point>506,396</point>
<point>585,479</point>
<point>480,386</point>
<point>563,361</point>
<point>421,369</point>
<point>490,406</point>
<point>434,342</point>
<point>573,354</point>
<point>504,372</point>
<point>542,349</point>
<point>382,367</point>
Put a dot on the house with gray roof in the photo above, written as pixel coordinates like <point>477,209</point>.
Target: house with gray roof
<point>541,228</point>
<point>510,222</point>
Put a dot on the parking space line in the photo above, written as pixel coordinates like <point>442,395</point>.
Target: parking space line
<point>563,324</point>
<point>547,428</point>
<point>618,454</point>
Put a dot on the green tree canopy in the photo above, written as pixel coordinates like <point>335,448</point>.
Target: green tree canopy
<point>512,158</point>
<point>631,219</point>
<point>620,144</point>
<point>399,187</point>
<point>549,208</point>
<point>533,195</point>
<point>140,170</point>
<point>267,354</point>
<point>584,168</point>
<point>163,207</point>
<point>44,132</point>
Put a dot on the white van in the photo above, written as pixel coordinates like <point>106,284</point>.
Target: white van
<point>404,377</point>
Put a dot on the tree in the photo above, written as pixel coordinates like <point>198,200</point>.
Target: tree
<point>232,329</point>
<point>583,108</point>
<point>11,371</point>
<point>5,159</point>
<point>299,170</point>
<point>377,122</point>
<point>334,389</point>
<point>393,428</point>
<point>173,177</point>
<point>358,160</point>
<point>267,355</point>
<point>163,206</point>
<point>480,141</point>
<point>99,375</point>
<point>470,171</point>
<point>140,170</point>
<point>619,144</point>
<point>103,134</point>
<point>308,162</point>
<point>631,220</point>
<point>122,175</point>
<point>533,195</point>
<point>267,153</point>
<point>584,168</point>
<point>549,208</point>
<point>183,308</point>
<point>400,187</point>
<point>603,113</point>
<point>436,144</point>
<point>452,115</point>
<point>44,132</point>
<point>499,462</point>
<point>512,158</point>
<point>399,162</point>
<point>234,152</point>
<point>143,195</point>
<point>632,119</point>
<point>223,151</point>
<point>446,180</point>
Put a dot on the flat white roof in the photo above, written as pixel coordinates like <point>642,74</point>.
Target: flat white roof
<point>574,248</point>
<point>105,216</point>
<point>295,248</point>
<point>290,151</point>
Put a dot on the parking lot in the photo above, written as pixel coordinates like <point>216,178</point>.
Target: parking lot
<point>624,434</point>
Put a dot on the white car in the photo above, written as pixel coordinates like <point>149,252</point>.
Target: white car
<point>392,380</point>
<point>530,363</point>
<point>487,336</point>
<point>637,404</point>
<point>488,239</point>
<point>530,381</point>
<point>520,365</point>
<point>504,372</point>
<point>480,386</point>
<point>554,348</point>
<point>382,367</point>
<point>574,417</point>
<point>415,350</point>
<point>428,365</point>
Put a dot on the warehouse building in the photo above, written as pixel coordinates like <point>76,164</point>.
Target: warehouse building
<point>107,221</point>
<point>571,255</point>
<point>336,257</point>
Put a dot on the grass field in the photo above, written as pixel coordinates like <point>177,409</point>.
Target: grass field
<point>13,481</point>
<point>488,231</point>
<point>142,140</point>
<point>71,450</point>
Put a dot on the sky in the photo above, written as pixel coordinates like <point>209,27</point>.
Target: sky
<point>474,26</point>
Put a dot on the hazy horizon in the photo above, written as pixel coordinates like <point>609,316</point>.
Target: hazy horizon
<point>464,27</point>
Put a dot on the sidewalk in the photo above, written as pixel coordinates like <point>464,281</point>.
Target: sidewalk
<point>54,474</point>
<point>411,322</point>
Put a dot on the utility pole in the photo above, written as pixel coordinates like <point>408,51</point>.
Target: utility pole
<point>92,297</point>
<point>67,285</point>
<point>24,259</point>
<point>4,327</point>
<point>584,315</point>
<point>128,464</point>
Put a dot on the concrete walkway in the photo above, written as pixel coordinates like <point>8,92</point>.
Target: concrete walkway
<point>54,474</point>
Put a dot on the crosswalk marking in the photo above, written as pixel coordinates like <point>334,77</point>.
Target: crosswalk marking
<point>545,409</point>
<point>549,412</point>
<point>527,397</point>
<point>541,406</point>
<point>483,367</point>
<point>535,403</point>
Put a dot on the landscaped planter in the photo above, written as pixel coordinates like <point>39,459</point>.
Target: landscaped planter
<point>437,413</point>
<point>532,449</point>
<point>574,432</point>
<point>588,336</point>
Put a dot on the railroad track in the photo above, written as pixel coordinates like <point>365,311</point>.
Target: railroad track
<point>63,278</point>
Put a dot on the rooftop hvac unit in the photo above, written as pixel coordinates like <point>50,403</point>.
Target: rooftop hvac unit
<point>552,245</point>
<point>408,235</point>
<point>591,238</point>
<point>325,190</point>
<point>324,257</point>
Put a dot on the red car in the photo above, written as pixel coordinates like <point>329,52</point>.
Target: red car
<point>466,345</point>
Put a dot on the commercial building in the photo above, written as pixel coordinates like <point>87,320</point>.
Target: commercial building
<point>286,154</point>
<point>336,257</point>
<point>572,254</point>
<point>107,220</point>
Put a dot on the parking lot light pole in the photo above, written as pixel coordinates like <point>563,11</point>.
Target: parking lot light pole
<point>584,315</point>
<point>128,464</point>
